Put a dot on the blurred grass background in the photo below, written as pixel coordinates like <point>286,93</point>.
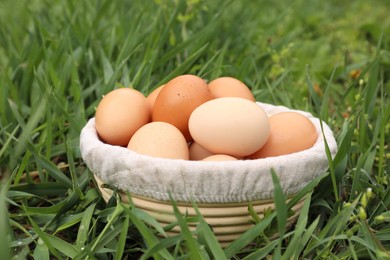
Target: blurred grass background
<point>57,58</point>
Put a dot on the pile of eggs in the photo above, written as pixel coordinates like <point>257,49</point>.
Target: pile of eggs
<point>190,119</point>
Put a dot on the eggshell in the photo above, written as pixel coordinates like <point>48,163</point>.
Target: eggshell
<point>220,157</point>
<point>120,114</point>
<point>179,97</point>
<point>230,87</point>
<point>197,152</point>
<point>151,98</point>
<point>290,132</point>
<point>160,139</point>
<point>230,125</point>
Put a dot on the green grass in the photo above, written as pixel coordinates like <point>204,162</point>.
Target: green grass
<point>57,58</point>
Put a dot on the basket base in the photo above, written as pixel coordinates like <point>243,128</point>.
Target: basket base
<point>228,220</point>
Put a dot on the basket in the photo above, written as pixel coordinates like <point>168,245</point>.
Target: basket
<point>227,220</point>
<point>222,190</point>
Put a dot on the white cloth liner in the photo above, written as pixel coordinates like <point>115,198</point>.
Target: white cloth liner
<point>206,182</point>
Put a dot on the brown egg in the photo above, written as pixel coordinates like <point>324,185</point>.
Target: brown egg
<point>160,139</point>
<point>230,125</point>
<point>230,87</point>
<point>220,157</point>
<point>151,98</point>
<point>176,101</point>
<point>290,132</point>
<point>197,152</point>
<point>120,114</point>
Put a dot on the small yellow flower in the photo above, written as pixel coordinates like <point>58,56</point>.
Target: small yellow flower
<point>364,201</point>
<point>362,214</point>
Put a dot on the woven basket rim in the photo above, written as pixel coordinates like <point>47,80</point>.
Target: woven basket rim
<point>133,196</point>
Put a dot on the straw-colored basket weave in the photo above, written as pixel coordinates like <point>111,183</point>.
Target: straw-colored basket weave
<point>227,220</point>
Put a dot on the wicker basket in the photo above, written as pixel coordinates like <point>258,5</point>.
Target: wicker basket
<point>228,220</point>
<point>222,190</point>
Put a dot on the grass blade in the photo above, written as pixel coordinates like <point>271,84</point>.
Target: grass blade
<point>52,170</point>
<point>45,238</point>
<point>325,98</point>
<point>67,221</point>
<point>42,189</point>
<point>115,215</point>
<point>291,249</point>
<point>246,238</point>
<point>372,87</point>
<point>313,95</point>
<point>99,244</point>
<point>208,236</point>
<point>161,245</point>
<point>306,190</point>
<point>122,239</point>
<point>262,252</point>
<point>85,222</point>
<point>372,241</point>
<point>280,207</point>
<point>306,237</point>
<point>33,121</point>
<point>192,244</point>
<point>41,251</point>
<point>4,222</point>
<point>150,239</point>
<point>149,220</point>
<point>331,165</point>
<point>62,246</point>
<point>333,228</point>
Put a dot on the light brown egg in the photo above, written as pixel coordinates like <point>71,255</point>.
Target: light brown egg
<point>120,114</point>
<point>176,101</point>
<point>290,132</point>
<point>151,98</point>
<point>160,139</point>
<point>197,152</point>
<point>230,87</point>
<point>220,157</point>
<point>230,125</point>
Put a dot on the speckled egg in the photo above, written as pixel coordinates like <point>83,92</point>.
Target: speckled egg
<point>178,98</point>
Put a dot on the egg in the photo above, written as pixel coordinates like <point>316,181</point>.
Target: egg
<point>230,87</point>
<point>176,101</point>
<point>229,125</point>
<point>220,157</point>
<point>120,114</point>
<point>151,98</point>
<point>290,132</point>
<point>159,139</point>
<point>197,152</point>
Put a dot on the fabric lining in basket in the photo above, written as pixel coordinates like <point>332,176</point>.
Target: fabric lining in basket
<point>206,182</point>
